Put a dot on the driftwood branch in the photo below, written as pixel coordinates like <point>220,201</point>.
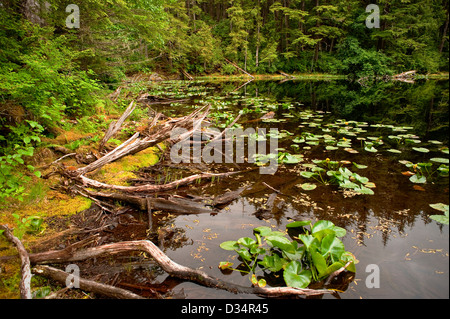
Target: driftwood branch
<point>168,265</point>
<point>25,289</point>
<point>115,126</point>
<point>138,143</point>
<point>240,69</point>
<point>85,284</point>
<point>151,188</point>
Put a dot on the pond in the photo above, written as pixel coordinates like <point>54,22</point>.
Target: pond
<point>393,135</point>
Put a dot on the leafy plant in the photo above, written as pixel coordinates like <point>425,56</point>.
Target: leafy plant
<point>443,219</point>
<point>332,172</point>
<point>312,256</point>
<point>425,171</point>
<point>18,144</point>
<point>24,225</point>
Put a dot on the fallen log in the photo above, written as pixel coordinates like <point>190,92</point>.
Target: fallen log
<point>85,284</point>
<point>24,286</point>
<point>171,205</point>
<point>285,74</point>
<point>240,69</point>
<point>172,268</point>
<point>151,188</point>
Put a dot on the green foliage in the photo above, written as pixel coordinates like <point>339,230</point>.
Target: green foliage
<point>443,219</point>
<point>360,62</point>
<point>24,225</point>
<point>332,172</point>
<point>17,145</point>
<point>312,256</point>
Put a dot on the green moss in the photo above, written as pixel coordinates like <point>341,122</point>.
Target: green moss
<point>118,172</point>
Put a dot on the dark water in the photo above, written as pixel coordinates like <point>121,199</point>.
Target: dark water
<point>390,229</point>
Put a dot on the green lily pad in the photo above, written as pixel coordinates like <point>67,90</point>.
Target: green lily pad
<point>359,166</point>
<point>308,186</point>
<point>392,150</point>
<point>421,149</point>
<point>440,160</point>
<point>418,179</point>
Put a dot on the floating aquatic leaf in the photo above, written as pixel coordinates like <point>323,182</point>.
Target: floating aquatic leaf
<point>371,149</point>
<point>229,245</point>
<point>440,160</point>
<point>364,190</point>
<point>308,186</point>
<point>295,277</point>
<point>418,179</point>
<point>443,219</point>
<point>444,150</point>
<point>392,150</point>
<point>440,206</point>
<point>419,188</point>
<point>359,166</point>
<point>331,148</point>
<point>298,140</point>
<point>421,149</point>
<point>370,185</point>
<point>299,223</point>
<point>435,142</point>
<point>225,265</point>
<point>308,174</point>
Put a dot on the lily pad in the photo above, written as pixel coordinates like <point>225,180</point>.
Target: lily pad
<point>440,160</point>
<point>392,150</point>
<point>371,149</point>
<point>418,179</point>
<point>308,186</point>
<point>359,166</point>
<point>421,149</point>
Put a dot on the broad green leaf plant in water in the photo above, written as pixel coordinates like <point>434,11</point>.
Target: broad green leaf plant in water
<point>328,172</point>
<point>309,257</point>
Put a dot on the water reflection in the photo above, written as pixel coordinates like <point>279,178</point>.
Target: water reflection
<point>382,229</point>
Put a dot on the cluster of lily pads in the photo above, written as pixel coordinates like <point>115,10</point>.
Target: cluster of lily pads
<point>311,256</point>
<point>328,172</point>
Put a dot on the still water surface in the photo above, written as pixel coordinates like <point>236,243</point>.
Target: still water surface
<point>390,229</point>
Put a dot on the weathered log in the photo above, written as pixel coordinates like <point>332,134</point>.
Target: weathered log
<point>151,188</point>
<point>172,268</point>
<point>172,205</point>
<point>24,286</point>
<point>85,284</point>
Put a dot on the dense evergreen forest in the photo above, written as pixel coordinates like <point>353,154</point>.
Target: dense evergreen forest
<point>57,62</point>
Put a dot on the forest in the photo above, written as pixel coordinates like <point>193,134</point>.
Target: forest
<point>90,91</point>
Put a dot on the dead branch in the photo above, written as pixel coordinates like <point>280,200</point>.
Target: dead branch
<point>25,289</point>
<point>115,126</point>
<point>171,267</point>
<point>138,143</point>
<point>85,284</point>
<point>240,69</point>
<point>336,273</point>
